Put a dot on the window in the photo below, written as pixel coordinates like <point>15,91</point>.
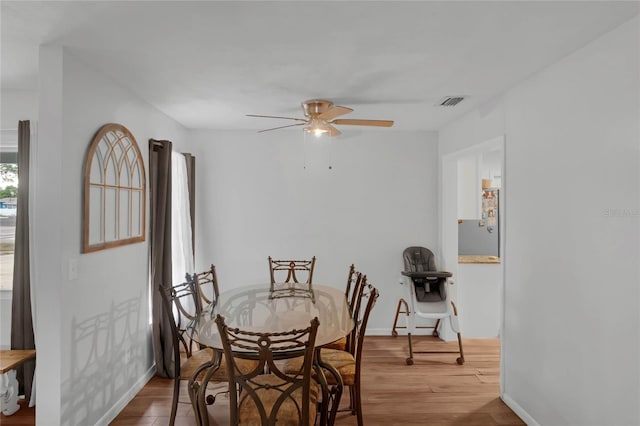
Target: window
<point>8,204</point>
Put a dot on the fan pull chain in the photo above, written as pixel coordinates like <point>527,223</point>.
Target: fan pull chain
<point>304,149</point>
<point>313,138</point>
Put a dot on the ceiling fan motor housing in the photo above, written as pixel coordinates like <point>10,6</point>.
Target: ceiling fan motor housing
<point>315,107</point>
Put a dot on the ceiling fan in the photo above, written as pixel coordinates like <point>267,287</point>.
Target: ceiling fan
<point>321,119</point>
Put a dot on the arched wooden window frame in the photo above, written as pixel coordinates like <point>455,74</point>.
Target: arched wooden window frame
<point>113,147</point>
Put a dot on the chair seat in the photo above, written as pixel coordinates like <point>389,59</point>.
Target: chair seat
<point>288,414</point>
<point>340,344</point>
<point>220,375</point>
<point>343,362</point>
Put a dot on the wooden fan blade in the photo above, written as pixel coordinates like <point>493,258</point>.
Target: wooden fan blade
<point>377,123</point>
<point>332,131</point>
<point>334,112</point>
<point>282,127</point>
<point>273,116</point>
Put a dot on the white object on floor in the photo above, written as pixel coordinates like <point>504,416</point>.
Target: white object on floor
<point>9,393</point>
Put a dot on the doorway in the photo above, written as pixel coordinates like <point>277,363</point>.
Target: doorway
<point>478,285</point>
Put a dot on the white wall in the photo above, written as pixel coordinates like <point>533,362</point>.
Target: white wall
<point>479,299</point>
<point>255,199</point>
<point>18,105</point>
<point>86,327</point>
<point>491,167</point>
<point>571,322</point>
<point>469,204</point>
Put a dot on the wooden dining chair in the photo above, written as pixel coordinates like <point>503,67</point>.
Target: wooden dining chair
<point>181,307</point>
<point>348,363</point>
<point>285,399</point>
<point>291,277</point>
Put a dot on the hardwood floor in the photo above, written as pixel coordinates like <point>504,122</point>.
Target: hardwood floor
<point>434,391</point>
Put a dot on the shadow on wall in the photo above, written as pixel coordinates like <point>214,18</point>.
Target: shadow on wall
<point>105,361</point>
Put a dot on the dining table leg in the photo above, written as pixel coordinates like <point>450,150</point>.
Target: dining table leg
<point>330,397</point>
<point>198,389</point>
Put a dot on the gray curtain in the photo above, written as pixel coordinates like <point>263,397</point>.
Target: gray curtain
<point>21,319</point>
<point>191,182</point>
<point>160,240</point>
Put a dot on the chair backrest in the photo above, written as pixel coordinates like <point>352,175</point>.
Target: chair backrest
<point>418,259</point>
<point>289,269</point>
<point>367,298</point>
<point>253,386</point>
<point>180,309</point>
<point>207,286</point>
<point>285,281</point>
<point>427,289</point>
<point>355,304</point>
<point>353,282</point>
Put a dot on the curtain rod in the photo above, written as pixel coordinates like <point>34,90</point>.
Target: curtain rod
<point>158,143</point>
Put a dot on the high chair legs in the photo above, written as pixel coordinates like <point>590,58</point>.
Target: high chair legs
<point>409,361</point>
<point>406,311</point>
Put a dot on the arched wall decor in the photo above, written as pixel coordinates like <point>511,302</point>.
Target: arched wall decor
<point>114,190</point>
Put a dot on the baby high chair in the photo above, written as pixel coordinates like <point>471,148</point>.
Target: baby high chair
<point>426,292</point>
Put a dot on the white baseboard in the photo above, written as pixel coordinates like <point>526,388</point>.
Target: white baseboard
<point>446,336</point>
<point>378,332</point>
<point>401,332</point>
<point>520,412</point>
<point>126,398</point>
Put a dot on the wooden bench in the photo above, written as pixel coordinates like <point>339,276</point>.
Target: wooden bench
<point>9,361</point>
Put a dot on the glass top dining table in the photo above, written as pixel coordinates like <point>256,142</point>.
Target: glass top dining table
<point>254,309</point>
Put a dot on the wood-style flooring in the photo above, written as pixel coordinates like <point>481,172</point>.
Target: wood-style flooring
<point>434,391</point>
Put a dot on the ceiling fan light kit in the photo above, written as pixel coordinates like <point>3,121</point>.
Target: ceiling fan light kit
<point>317,127</point>
<point>321,119</point>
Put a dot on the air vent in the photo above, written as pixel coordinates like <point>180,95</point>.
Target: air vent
<point>451,101</point>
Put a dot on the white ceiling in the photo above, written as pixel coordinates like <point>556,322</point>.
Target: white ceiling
<point>208,63</point>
